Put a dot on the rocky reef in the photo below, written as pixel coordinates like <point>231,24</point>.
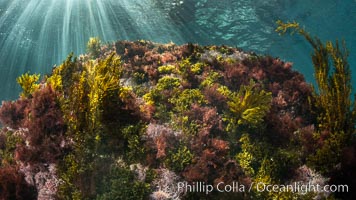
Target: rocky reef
<point>136,120</point>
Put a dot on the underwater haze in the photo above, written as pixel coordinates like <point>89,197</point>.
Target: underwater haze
<point>36,34</point>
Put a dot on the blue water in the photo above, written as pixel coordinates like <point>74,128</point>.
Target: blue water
<point>36,34</point>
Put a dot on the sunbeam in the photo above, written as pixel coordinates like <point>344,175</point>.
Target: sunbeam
<point>38,34</point>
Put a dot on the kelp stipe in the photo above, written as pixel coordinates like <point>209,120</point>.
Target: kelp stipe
<point>335,112</point>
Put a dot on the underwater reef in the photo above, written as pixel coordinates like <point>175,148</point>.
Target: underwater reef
<point>136,120</point>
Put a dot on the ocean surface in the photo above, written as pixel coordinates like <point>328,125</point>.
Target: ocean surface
<point>37,34</point>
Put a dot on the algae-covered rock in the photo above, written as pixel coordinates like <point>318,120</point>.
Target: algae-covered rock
<point>208,115</point>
